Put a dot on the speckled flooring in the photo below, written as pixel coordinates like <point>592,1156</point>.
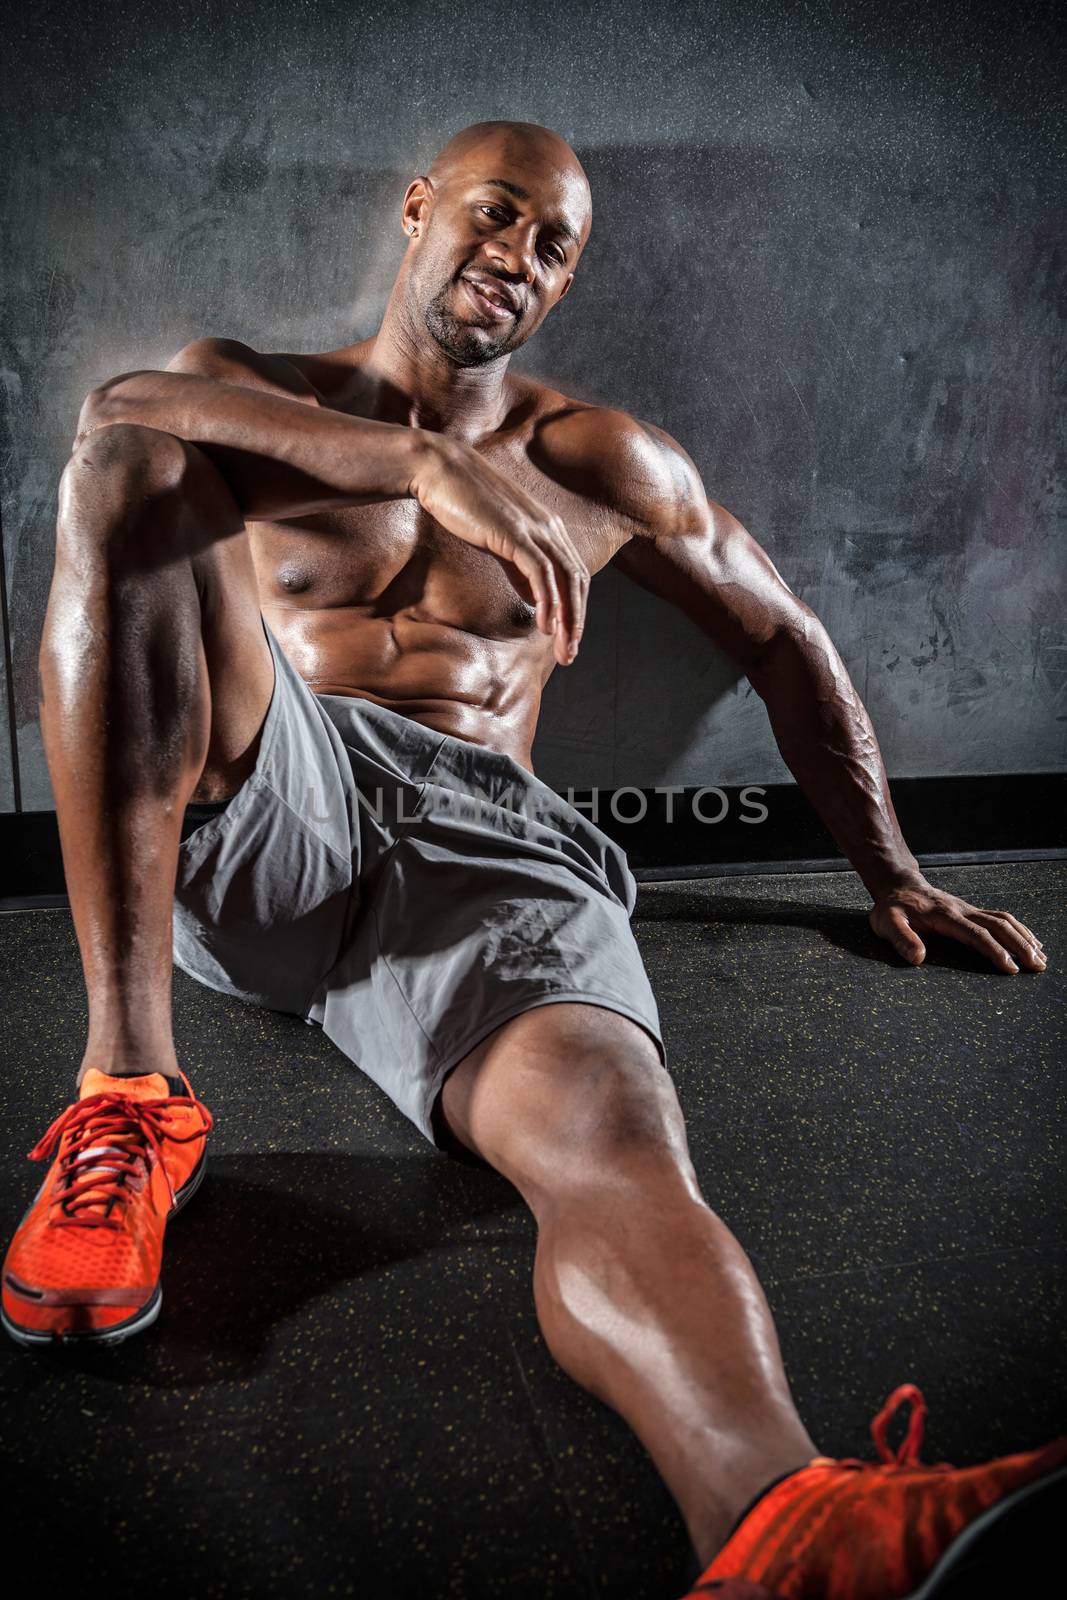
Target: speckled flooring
<point>347,1392</point>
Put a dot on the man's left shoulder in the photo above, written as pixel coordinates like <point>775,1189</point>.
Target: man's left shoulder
<point>624,461</point>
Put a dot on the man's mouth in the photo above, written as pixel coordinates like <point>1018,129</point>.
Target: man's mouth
<point>487,298</point>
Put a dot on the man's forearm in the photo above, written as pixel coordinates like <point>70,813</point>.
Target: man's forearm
<point>281,457</point>
<point>826,738</point>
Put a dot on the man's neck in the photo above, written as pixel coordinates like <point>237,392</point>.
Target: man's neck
<point>416,383</point>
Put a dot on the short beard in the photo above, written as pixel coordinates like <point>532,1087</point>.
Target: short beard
<point>459,340</point>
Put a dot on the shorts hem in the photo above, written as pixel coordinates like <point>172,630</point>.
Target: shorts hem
<point>232,993</point>
<point>516,1008</point>
<point>207,983</point>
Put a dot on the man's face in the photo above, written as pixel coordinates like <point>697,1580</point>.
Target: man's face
<point>514,227</point>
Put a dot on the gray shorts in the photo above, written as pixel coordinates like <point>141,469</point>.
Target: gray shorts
<point>405,890</point>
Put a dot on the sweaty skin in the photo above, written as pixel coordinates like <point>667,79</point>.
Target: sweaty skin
<point>378,599</point>
<point>419,527</point>
<point>381,602</point>
<point>423,524</point>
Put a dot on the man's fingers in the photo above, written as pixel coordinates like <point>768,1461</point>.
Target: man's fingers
<point>484,506</point>
<point>970,933</point>
<point>1019,941</point>
<point>570,571</point>
<point>575,589</point>
<point>903,936</point>
<point>1021,926</point>
<point>558,579</point>
<point>569,579</point>
<point>547,572</point>
<point>544,582</point>
<point>536,540</point>
<point>582,581</point>
<point>997,935</point>
<point>539,572</point>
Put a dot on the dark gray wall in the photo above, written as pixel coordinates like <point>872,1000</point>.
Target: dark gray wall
<point>7,774</point>
<point>827,257</point>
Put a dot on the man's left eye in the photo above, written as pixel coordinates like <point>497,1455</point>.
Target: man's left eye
<point>554,255</point>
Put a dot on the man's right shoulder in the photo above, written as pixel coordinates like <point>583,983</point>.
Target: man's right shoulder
<point>231,361</point>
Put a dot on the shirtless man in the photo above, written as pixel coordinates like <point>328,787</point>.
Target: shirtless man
<point>279,577</point>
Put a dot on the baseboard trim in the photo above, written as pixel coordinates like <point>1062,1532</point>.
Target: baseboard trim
<point>707,831</point>
<point>667,875</point>
<point>749,869</point>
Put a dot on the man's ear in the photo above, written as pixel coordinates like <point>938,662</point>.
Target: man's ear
<point>417,196</point>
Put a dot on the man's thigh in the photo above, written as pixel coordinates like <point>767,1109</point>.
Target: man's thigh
<point>240,668</point>
<point>161,502</point>
<point>264,889</point>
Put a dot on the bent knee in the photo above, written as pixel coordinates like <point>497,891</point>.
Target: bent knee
<point>125,455</point>
<point>594,1114</point>
<point>619,1105</point>
<point>123,477</point>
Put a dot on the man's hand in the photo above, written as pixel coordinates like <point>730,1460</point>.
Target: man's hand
<point>485,508</point>
<point>901,915</point>
<point>285,454</point>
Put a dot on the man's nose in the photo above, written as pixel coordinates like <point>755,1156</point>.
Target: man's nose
<point>514,252</point>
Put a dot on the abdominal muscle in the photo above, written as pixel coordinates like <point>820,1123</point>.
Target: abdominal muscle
<point>487,691</point>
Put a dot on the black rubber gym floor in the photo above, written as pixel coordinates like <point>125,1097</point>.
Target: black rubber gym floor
<point>347,1393</point>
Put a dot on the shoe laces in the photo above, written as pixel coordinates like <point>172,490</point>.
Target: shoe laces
<point>907,1455</point>
<point>113,1141</point>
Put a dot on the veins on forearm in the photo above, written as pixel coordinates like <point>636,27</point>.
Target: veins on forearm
<point>825,735</point>
<point>837,723</point>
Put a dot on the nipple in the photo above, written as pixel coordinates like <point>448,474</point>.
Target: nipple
<point>293,577</point>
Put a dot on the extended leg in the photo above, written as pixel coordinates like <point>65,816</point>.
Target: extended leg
<point>155,677</point>
<point>643,1295</point>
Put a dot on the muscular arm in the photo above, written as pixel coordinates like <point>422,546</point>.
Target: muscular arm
<point>713,570</point>
<point>284,455</point>
<point>282,452</point>
<point>693,553</point>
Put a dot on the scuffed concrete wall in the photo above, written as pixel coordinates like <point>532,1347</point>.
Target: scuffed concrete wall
<point>827,256</point>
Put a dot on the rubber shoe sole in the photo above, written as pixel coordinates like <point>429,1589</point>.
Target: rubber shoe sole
<point>996,1555</point>
<point>142,1318</point>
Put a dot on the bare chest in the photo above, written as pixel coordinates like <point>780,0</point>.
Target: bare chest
<point>393,561</point>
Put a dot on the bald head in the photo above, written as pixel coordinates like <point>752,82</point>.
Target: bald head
<point>520,142</point>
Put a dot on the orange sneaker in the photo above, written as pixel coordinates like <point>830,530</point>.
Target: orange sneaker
<point>857,1530</point>
<point>85,1259</point>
